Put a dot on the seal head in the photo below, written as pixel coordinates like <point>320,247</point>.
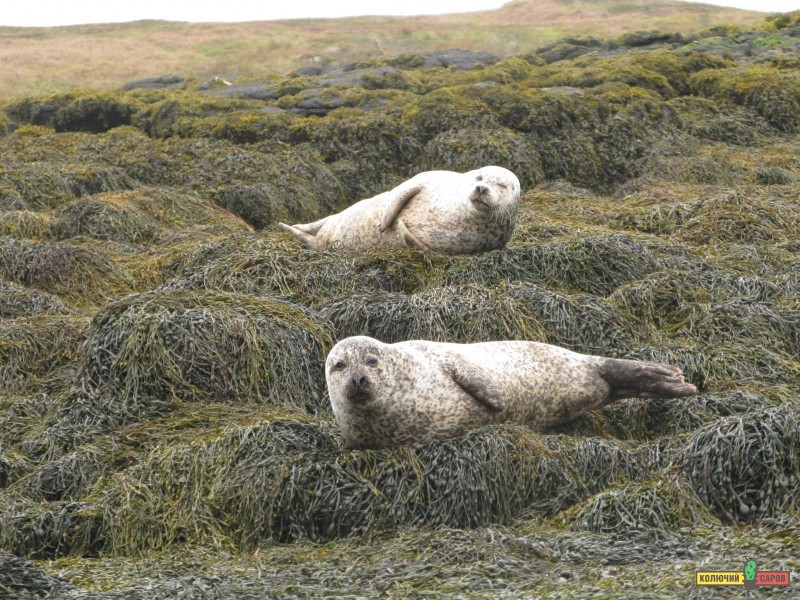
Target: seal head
<point>362,376</point>
<point>495,189</point>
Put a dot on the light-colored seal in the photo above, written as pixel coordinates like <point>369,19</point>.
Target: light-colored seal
<point>438,211</point>
<point>413,392</point>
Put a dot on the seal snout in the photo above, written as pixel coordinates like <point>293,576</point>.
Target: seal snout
<point>482,195</point>
<point>358,387</point>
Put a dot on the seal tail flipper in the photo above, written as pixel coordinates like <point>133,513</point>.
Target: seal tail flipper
<point>641,379</point>
<point>307,239</point>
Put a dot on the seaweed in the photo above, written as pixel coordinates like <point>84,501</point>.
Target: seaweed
<point>73,270</point>
<point>88,110</point>
<point>164,426</point>
<point>467,149</point>
<point>146,351</point>
<point>31,348</point>
<point>461,314</point>
<point>745,467</point>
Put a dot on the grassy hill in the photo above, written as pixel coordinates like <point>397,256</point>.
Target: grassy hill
<point>43,60</point>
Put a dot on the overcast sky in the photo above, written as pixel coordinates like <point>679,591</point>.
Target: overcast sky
<point>45,13</point>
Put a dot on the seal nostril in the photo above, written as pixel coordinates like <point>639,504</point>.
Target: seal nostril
<point>362,381</point>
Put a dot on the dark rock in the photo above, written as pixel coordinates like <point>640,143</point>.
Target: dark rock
<point>636,39</point>
<point>311,70</point>
<point>271,90</point>
<point>317,105</point>
<point>563,52</point>
<point>165,82</point>
<point>352,76</point>
<point>465,60</point>
<point>262,90</point>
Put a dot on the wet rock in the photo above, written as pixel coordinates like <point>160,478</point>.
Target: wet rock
<point>163,82</point>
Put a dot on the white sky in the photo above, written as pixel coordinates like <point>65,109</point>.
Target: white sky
<point>45,13</point>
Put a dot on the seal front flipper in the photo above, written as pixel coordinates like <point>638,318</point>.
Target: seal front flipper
<point>472,378</point>
<point>409,238</point>
<point>397,199</point>
<point>639,379</point>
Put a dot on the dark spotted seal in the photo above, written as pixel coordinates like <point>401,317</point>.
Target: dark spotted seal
<point>438,211</point>
<point>416,391</point>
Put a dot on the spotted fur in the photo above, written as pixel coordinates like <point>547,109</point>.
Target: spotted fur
<point>439,211</point>
<point>416,391</point>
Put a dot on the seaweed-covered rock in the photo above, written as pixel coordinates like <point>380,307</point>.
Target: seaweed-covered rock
<point>664,504</point>
<point>32,348</point>
<point>569,48</point>
<point>580,322</point>
<point>262,267</point>
<point>467,149</point>
<point>283,481</point>
<point>72,270</point>
<point>22,224</point>
<point>88,111</point>
<point>445,110</point>
<point>772,94</point>
<point>45,530</point>
<point>20,578</point>
<point>646,38</point>
<point>43,185</point>
<point>21,301</point>
<point>168,82</point>
<point>595,264</point>
<point>137,216</point>
<point>744,468</point>
<point>146,351</point>
<point>465,314</point>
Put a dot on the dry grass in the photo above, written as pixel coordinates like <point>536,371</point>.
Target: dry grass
<point>47,60</point>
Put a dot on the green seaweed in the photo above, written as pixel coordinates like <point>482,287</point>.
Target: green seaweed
<point>164,425</point>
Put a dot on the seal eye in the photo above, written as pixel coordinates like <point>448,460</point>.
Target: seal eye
<point>372,361</point>
<point>502,185</point>
<point>479,178</point>
<point>339,366</point>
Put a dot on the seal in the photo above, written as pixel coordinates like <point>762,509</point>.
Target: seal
<point>416,391</point>
<point>438,211</point>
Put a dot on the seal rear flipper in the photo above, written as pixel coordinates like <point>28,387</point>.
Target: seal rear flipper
<point>471,378</point>
<point>397,199</point>
<point>307,239</point>
<point>640,379</point>
<point>311,228</point>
